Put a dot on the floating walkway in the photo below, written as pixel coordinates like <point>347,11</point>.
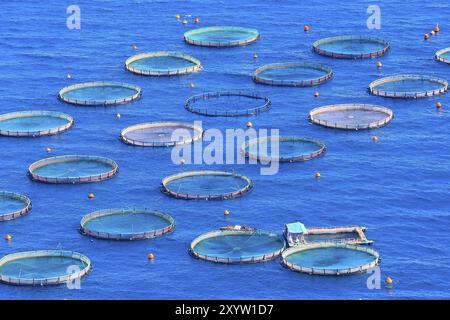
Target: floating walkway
<point>43,267</point>
<point>351,47</point>
<point>343,235</point>
<point>443,55</point>
<point>221,36</point>
<point>162,63</point>
<point>13,205</point>
<point>351,116</point>
<point>408,86</point>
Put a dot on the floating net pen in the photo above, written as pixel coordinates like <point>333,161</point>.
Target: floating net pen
<point>330,258</point>
<point>73,169</point>
<point>206,185</point>
<point>161,134</point>
<point>221,36</point>
<point>162,64</point>
<point>13,205</point>
<point>408,86</point>
<point>443,55</point>
<point>228,104</point>
<point>34,123</point>
<point>289,149</point>
<point>43,267</point>
<point>100,93</point>
<point>351,47</point>
<point>126,224</point>
<point>293,74</point>
<point>237,247</point>
<point>351,116</point>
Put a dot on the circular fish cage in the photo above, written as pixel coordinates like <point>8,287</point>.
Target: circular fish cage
<point>330,258</point>
<point>73,169</point>
<point>408,86</point>
<point>160,134</point>
<point>228,104</point>
<point>293,74</point>
<point>206,185</point>
<point>34,123</point>
<point>351,47</point>
<point>237,247</point>
<point>162,64</point>
<point>13,205</point>
<point>43,267</point>
<point>351,116</point>
<point>100,93</point>
<point>126,224</point>
<point>289,149</point>
<point>443,55</point>
<point>222,36</point>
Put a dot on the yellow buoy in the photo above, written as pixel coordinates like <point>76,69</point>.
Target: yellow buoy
<point>426,36</point>
<point>185,21</point>
<point>49,150</point>
<point>316,94</point>
<point>118,115</point>
<point>91,196</point>
<point>151,256</point>
<point>379,64</point>
<point>436,29</point>
<point>249,124</point>
<point>306,28</point>
<point>255,56</point>
<point>375,139</point>
<point>317,175</point>
<point>177,17</point>
<point>8,237</point>
<point>226,212</point>
<point>192,85</point>
<point>389,281</point>
<point>432,33</point>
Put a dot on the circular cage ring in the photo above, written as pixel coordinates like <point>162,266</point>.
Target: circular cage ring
<point>13,205</point>
<point>293,74</point>
<point>349,259</point>
<point>237,246</point>
<point>206,185</point>
<point>29,268</point>
<point>194,104</point>
<point>100,93</point>
<point>351,116</point>
<point>127,224</point>
<point>443,55</point>
<point>162,64</point>
<point>161,134</point>
<point>221,36</point>
<point>73,169</point>
<point>34,123</point>
<point>407,86</point>
<point>310,149</point>
<point>351,47</point>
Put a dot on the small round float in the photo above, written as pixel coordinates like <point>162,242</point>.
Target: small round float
<point>126,224</point>
<point>160,134</point>
<point>290,149</point>
<point>293,74</point>
<point>330,258</point>
<point>34,123</point>
<point>13,205</point>
<point>443,55</point>
<point>223,36</point>
<point>351,47</point>
<point>408,86</point>
<point>237,246</point>
<point>228,104</point>
<point>206,185</point>
<point>351,116</point>
<point>100,93</point>
<point>43,267</point>
<point>73,169</point>
<point>162,64</point>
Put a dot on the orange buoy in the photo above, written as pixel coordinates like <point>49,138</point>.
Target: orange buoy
<point>317,175</point>
<point>439,105</point>
<point>316,94</point>
<point>249,124</point>
<point>436,29</point>
<point>426,36</point>
<point>91,196</point>
<point>306,28</point>
<point>196,20</point>
<point>151,256</point>
<point>177,17</point>
<point>8,237</point>
<point>375,139</point>
<point>226,212</point>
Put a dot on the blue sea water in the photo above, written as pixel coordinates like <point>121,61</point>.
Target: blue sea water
<point>398,187</point>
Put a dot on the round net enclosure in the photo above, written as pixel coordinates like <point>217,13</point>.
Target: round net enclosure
<point>237,247</point>
<point>100,93</point>
<point>73,169</point>
<point>161,134</point>
<point>351,47</point>
<point>162,64</point>
<point>443,55</point>
<point>206,185</point>
<point>34,123</point>
<point>228,104</point>
<point>408,86</point>
<point>221,36</point>
<point>293,74</point>
<point>283,149</point>
<point>43,267</point>
<point>351,116</point>
<point>126,224</point>
<point>330,258</point>
<point>13,205</point>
